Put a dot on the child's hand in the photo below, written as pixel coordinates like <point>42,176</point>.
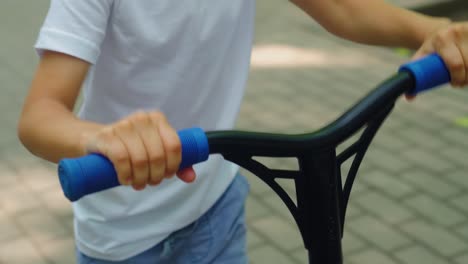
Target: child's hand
<point>143,147</point>
<point>451,43</point>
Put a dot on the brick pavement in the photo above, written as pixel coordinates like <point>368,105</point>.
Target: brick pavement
<point>409,204</point>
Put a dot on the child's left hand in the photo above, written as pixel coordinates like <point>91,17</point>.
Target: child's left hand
<point>451,43</point>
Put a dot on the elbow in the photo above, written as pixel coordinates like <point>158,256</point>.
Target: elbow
<point>23,132</point>
<point>26,133</point>
<point>28,136</point>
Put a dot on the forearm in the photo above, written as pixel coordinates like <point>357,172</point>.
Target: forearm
<point>372,22</point>
<point>49,130</point>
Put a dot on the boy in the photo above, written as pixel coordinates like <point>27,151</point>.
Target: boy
<point>151,67</point>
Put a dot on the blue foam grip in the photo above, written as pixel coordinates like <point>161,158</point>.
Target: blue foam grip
<point>93,173</point>
<point>428,72</point>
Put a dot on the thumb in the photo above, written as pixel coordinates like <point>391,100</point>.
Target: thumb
<point>419,54</point>
<point>410,98</point>
<point>425,49</point>
<point>187,175</point>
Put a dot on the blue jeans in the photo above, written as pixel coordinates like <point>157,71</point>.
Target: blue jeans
<point>218,236</point>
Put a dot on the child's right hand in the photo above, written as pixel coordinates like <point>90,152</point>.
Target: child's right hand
<point>143,148</point>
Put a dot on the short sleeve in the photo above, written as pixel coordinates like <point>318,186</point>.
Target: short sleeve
<point>75,27</point>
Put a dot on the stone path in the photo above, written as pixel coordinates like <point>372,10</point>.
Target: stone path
<point>410,200</point>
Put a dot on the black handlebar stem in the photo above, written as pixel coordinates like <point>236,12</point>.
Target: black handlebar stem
<point>321,197</point>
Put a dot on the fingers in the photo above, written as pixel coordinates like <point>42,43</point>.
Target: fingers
<point>171,144</point>
<point>108,144</point>
<point>454,61</point>
<point>426,49</point>
<point>462,45</point>
<point>447,46</point>
<point>187,175</point>
<point>451,43</point>
<point>409,97</point>
<point>153,147</point>
<point>143,148</point>
<point>129,134</point>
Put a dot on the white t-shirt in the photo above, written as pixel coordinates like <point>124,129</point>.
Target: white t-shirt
<point>186,58</point>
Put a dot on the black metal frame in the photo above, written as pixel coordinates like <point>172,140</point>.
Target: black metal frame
<point>321,197</point>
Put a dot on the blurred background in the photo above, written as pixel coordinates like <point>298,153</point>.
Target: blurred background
<point>410,200</point>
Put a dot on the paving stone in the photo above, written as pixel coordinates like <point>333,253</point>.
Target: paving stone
<point>455,154</point>
<point>425,120</point>
<point>39,178</point>
<point>353,210</point>
<point>255,209</point>
<point>253,239</point>
<point>387,161</point>
<point>268,254</point>
<point>279,232</point>
<point>434,185</point>
<point>437,238</point>
<point>359,187</point>
<point>257,186</point>
<point>377,233</point>
<point>388,184</point>
<point>420,136</point>
<point>59,251</point>
<point>18,157</point>
<point>417,254</point>
<point>8,228</point>
<point>7,176</point>
<point>459,177</point>
<point>461,230</point>
<point>60,207</point>
<point>434,210</point>
<point>17,199</point>
<point>273,201</point>
<point>68,224</point>
<point>389,136</point>
<point>41,226</point>
<point>462,259</point>
<point>461,202</point>
<point>431,161</point>
<point>456,137</point>
<point>21,251</point>
<point>386,209</point>
<point>450,114</point>
<point>448,97</point>
<point>352,243</point>
<point>301,255</point>
<point>372,256</point>
<point>289,186</point>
